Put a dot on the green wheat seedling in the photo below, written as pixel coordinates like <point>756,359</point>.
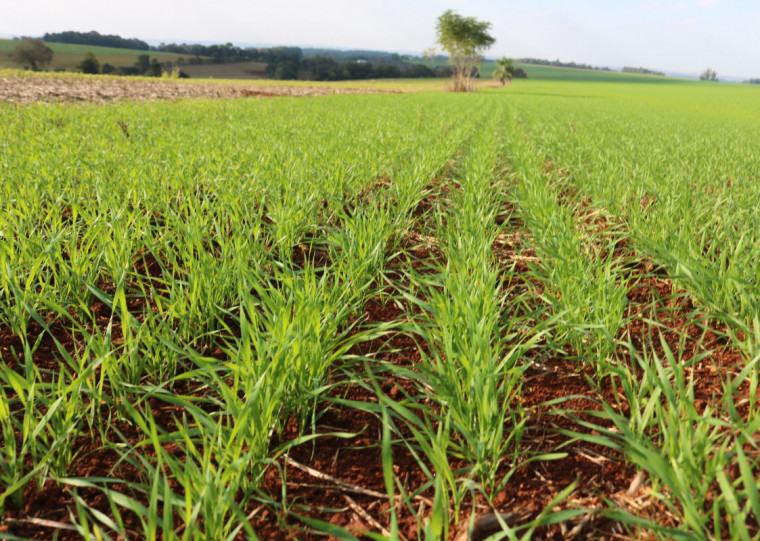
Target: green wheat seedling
<point>218,261</point>
<point>471,372</point>
<point>684,182</point>
<point>590,292</point>
<point>686,453</point>
<point>39,422</point>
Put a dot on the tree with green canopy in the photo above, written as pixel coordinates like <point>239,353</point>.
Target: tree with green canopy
<point>464,39</point>
<point>89,64</point>
<point>708,75</point>
<point>32,53</point>
<point>505,70</point>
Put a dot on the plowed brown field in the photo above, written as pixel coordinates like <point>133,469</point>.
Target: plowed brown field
<point>24,90</point>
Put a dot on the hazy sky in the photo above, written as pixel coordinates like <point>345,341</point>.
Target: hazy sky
<point>684,36</point>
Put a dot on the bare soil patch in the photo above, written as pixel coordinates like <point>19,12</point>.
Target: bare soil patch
<point>23,90</point>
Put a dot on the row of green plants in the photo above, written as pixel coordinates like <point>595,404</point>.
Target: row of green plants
<point>466,408</point>
<point>215,275</point>
<point>676,192</point>
<point>213,260</point>
<point>678,166</point>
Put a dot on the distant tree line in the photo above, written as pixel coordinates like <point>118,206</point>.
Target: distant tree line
<point>145,65</point>
<point>323,68</point>
<point>642,71</point>
<point>224,53</point>
<point>95,38</point>
<point>559,64</point>
<point>287,63</point>
<point>376,57</point>
<point>291,63</point>
<point>753,81</point>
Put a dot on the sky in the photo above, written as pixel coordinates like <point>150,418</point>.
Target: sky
<point>684,36</point>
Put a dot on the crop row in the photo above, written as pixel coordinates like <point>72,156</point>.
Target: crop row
<point>187,295</point>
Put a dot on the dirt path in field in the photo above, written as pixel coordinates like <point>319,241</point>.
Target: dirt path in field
<point>30,89</point>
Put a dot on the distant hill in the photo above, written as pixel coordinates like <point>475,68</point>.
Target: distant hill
<point>561,73</point>
<point>573,74</point>
<point>376,57</point>
<point>559,64</point>
<point>95,38</point>
<point>642,71</point>
<point>67,55</point>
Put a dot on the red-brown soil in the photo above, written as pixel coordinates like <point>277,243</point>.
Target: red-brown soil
<point>315,490</point>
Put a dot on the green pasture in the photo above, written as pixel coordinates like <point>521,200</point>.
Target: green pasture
<point>555,73</point>
<point>189,288</point>
<point>75,49</point>
<point>572,74</point>
<point>68,55</point>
